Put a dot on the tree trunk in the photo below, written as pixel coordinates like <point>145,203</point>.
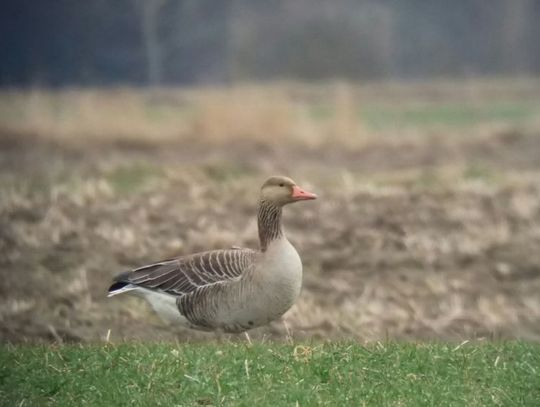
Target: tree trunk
<point>149,12</point>
<point>515,29</point>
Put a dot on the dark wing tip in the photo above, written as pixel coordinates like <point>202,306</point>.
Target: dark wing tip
<point>120,281</point>
<point>117,286</point>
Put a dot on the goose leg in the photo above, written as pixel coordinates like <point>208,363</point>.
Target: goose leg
<point>220,336</point>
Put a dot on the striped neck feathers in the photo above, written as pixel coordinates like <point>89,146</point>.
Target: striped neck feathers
<point>269,223</point>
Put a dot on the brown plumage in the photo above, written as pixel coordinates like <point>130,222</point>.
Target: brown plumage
<point>230,290</point>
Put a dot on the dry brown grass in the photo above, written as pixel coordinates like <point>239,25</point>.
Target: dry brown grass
<point>431,236</point>
<point>272,113</point>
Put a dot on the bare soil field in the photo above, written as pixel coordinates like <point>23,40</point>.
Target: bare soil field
<point>427,226</point>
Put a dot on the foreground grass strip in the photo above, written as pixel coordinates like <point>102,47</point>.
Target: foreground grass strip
<point>271,374</point>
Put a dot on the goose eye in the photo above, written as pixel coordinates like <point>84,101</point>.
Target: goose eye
<point>282,185</point>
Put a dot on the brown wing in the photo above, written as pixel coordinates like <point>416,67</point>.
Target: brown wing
<point>184,275</point>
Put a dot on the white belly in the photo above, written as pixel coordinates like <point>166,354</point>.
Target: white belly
<point>163,304</point>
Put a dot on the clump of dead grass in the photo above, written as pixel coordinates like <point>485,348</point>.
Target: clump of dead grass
<point>262,113</point>
<point>391,260</point>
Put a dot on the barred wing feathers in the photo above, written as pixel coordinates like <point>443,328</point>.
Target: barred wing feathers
<point>184,275</point>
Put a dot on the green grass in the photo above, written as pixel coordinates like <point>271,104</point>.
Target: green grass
<point>438,114</point>
<point>452,115</point>
<point>337,374</point>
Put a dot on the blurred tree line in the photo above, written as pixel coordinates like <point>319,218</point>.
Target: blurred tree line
<point>100,42</point>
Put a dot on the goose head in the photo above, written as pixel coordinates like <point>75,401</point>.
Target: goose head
<point>281,190</point>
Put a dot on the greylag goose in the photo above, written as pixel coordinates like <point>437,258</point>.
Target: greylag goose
<point>231,290</point>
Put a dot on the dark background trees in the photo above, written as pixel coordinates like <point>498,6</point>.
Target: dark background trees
<point>101,42</point>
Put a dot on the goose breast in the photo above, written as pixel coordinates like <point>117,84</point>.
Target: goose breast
<point>268,292</point>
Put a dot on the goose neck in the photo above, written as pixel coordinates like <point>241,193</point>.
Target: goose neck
<point>269,223</point>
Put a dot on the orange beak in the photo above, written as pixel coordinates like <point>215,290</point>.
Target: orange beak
<point>298,194</point>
